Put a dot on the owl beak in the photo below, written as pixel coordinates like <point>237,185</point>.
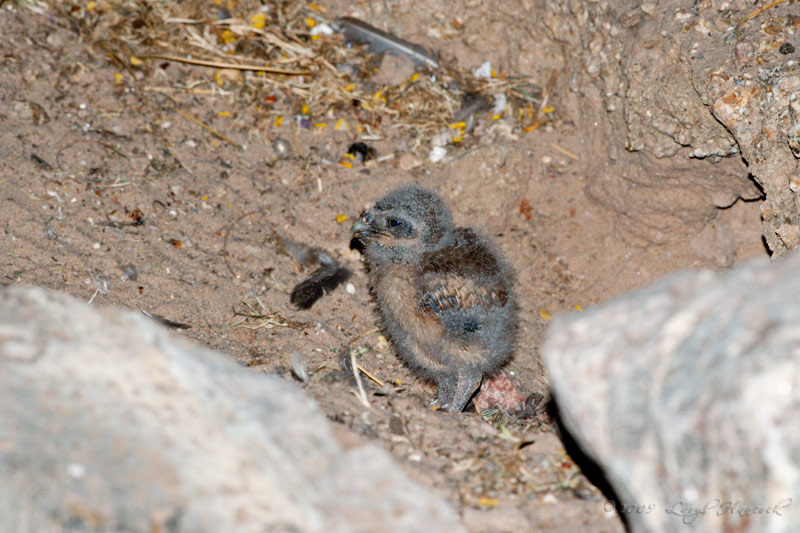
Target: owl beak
<point>357,231</point>
<point>360,225</point>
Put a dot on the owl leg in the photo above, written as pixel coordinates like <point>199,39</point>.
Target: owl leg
<point>445,389</point>
<point>456,390</point>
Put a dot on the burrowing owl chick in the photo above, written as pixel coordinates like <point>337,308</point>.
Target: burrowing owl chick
<point>444,294</point>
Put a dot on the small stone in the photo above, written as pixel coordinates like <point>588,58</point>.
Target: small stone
<point>281,147</point>
<point>786,48</point>
<point>437,154</point>
<point>499,391</point>
<point>794,183</point>
<point>550,498</point>
<point>350,288</point>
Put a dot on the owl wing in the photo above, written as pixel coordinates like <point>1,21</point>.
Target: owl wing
<point>462,284</point>
<point>459,303</point>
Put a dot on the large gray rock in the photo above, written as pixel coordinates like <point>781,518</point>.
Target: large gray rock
<point>108,422</point>
<point>687,394</point>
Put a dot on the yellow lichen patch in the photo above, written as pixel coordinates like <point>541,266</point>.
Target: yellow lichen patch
<point>305,109</point>
<point>258,20</point>
<point>135,61</point>
<point>346,164</point>
<point>227,36</point>
<point>548,109</point>
<point>544,313</point>
<point>118,78</point>
<point>341,218</point>
<point>278,121</point>
<point>460,128</point>
<point>489,502</point>
<point>311,22</point>
<point>224,113</point>
<point>341,124</point>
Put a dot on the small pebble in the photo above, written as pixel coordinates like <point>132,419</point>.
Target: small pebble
<point>794,183</point>
<point>437,154</point>
<point>786,48</point>
<point>321,29</point>
<point>550,498</point>
<point>350,288</point>
<point>483,71</point>
<point>281,147</point>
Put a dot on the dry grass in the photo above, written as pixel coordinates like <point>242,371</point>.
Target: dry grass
<point>269,57</point>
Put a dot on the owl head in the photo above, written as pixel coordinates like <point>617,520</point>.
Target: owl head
<point>402,225</point>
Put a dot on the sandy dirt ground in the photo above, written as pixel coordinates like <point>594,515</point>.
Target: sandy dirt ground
<point>110,191</point>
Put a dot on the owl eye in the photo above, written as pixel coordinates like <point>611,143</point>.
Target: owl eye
<point>400,227</point>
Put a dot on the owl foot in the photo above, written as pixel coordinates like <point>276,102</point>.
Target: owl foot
<point>454,392</point>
